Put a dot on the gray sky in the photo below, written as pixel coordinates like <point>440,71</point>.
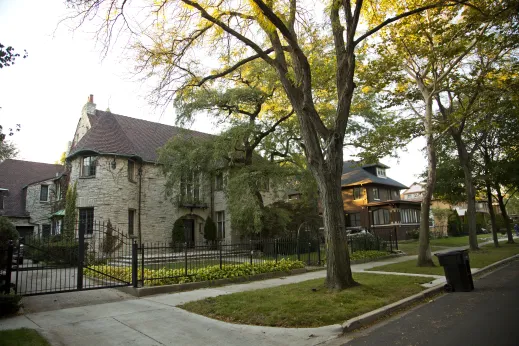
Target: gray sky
<point>45,92</point>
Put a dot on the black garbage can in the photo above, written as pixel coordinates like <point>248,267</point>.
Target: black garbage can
<point>457,270</point>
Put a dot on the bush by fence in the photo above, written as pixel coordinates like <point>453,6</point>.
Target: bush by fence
<point>58,252</point>
<point>177,276</point>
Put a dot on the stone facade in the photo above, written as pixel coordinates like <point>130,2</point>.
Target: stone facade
<point>40,211</point>
<point>112,194</point>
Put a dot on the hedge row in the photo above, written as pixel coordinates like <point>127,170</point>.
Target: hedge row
<point>177,276</point>
<point>53,252</point>
<point>371,254</point>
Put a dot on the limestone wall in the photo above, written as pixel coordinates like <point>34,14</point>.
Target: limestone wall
<point>111,194</point>
<point>40,211</point>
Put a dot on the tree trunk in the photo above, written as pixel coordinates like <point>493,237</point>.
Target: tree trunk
<point>464,159</point>
<point>488,186</point>
<point>492,214</point>
<point>502,207</point>
<point>338,271</point>
<point>424,250</point>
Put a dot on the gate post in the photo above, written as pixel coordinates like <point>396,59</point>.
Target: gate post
<point>10,247</point>
<point>134,264</point>
<point>309,248</point>
<point>185,257</point>
<point>80,258</point>
<point>251,251</point>
<point>319,251</point>
<point>396,239</point>
<point>276,249</point>
<point>221,246</point>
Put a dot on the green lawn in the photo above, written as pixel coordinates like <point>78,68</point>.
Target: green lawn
<point>309,303</point>
<point>459,241</point>
<point>488,254</point>
<point>21,337</point>
<point>410,247</point>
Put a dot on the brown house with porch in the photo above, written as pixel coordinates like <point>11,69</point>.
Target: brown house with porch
<point>372,201</point>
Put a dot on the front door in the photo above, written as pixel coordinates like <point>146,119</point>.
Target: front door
<point>189,231</point>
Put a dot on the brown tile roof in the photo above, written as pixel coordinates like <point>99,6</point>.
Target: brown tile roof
<point>15,175</point>
<point>125,136</point>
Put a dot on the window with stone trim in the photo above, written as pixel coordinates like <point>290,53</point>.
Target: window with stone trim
<point>220,224</point>
<point>88,166</point>
<point>44,193</point>
<point>219,182</point>
<point>86,220</point>
<point>131,170</point>
<point>131,221</point>
<point>190,187</point>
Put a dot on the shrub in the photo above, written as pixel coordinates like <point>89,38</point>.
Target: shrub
<point>53,252</point>
<point>366,241</point>
<point>371,254</point>
<point>9,304</point>
<point>177,276</point>
<point>210,230</point>
<point>110,243</point>
<point>455,228</point>
<point>177,235</point>
<point>7,232</point>
<point>413,234</point>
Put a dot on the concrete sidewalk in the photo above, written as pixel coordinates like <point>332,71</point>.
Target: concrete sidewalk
<point>156,320</point>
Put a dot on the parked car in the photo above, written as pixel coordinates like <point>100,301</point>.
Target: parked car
<point>350,231</point>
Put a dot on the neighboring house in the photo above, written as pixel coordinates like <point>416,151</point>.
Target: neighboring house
<point>416,193</point>
<point>372,200</point>
<point>30,192</point>
<point>113,159</point>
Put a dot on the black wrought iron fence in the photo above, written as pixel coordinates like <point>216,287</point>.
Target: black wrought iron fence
<point>158,261</point>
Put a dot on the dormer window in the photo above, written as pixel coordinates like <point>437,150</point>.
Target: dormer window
<point>381,172</point>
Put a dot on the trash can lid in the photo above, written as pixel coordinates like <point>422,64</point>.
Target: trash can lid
<point>450,253</point>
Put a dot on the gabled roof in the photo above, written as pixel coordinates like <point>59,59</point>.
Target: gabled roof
<point>116,134</point>
<point>354,173</point>
<point>16,174</point>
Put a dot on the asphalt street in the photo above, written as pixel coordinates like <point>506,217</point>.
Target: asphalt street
<point>489,315</point>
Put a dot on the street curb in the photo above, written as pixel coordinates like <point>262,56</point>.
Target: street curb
<point>369,317</point>
<point>494,265</point>
<point>148,291</point>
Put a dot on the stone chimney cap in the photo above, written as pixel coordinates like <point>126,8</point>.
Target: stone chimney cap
<point>91,98</point>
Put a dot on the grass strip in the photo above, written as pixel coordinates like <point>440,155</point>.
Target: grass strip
<point>308,303</point>
<point>486,255</point>
<point>22,337</point>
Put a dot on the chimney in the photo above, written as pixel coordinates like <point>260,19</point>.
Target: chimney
<point>90,106</point>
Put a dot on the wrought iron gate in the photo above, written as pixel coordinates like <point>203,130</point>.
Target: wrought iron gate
<point>71,261</point>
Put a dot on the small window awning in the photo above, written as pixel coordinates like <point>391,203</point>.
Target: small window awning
<point>59,213</point>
